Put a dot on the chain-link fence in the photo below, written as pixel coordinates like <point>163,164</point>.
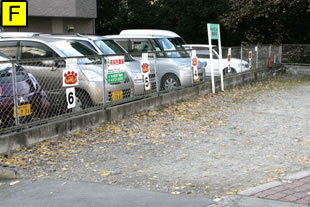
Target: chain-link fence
<point>36,91</point>
<point>295,54</point>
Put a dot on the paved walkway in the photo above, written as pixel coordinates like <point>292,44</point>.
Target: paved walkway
<point>295,192</point>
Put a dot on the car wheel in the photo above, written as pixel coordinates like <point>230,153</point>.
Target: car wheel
<point>227,72</point>
<point>82,101</point>
<point>169,82</point>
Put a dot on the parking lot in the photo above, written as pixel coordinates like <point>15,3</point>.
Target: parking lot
<point>213,146</point>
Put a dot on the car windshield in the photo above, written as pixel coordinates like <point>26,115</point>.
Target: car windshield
<point>110,47</point>
<point>6,74</point>
<point>170,44</point>
<point>76,49</point>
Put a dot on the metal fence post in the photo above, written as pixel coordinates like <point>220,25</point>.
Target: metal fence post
<point>104,79</point>
<point>241,59</point>
<point>155,68</point>
<point>256,51</point>
<point>280,54</point>
<point>15,98</point>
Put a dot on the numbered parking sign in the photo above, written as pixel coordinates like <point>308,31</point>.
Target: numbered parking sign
<point>71,100</point>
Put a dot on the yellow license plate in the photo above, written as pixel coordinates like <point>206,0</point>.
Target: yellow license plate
<point>23,110</point>
<point>117,95</point>
<point>197,80</point>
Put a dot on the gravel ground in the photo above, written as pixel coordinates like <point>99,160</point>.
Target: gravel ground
<point>215,145</point>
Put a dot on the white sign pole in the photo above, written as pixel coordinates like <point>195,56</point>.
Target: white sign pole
<point>211,59</point>
<point>221,57</point>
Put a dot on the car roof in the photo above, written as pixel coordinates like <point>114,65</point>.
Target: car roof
<point>149,32</point>
<point>198,45</point>
<point>18,34</point>
<point>42,39</point>
<point>135,36</point>
<point>76,36</point>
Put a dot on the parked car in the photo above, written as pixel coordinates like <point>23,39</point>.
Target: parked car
<point>32,100</point>
<point>106,46</point>
<point>203,54</point>
<point>173,62</point>
<point>49,72</point>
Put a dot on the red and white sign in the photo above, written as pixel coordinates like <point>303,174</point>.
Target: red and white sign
<point>145,70</point>
<point>250,55</point>
<point>70,78</point>
<point>195,65</point>
<point>115,64</point>
<point>229,55</point>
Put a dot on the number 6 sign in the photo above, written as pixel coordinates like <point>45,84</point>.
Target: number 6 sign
<point>70,94</point>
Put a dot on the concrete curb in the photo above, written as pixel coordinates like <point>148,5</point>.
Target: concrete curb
<point>267,186</point>
<point>297,176</point>
<point>260,188</point>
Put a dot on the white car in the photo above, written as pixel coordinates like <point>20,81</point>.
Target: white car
<point>203,55</point>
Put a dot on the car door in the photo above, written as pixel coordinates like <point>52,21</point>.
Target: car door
<point>203,54</point>
<point>46,72</point>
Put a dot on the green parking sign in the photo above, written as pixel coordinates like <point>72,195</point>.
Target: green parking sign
<point>214,30</point>
<point>116,77</point>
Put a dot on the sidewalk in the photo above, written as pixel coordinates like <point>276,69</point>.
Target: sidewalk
<point>291,191</point>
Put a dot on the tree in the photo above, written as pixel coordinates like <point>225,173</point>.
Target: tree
<point>269,21</point>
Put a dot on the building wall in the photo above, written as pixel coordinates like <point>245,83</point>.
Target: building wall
<point>56,25</point>
<point>63,8</point>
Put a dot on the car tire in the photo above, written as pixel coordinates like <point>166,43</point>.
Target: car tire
<point>83,101</point>
<point>170,81</point>
<point>226,72</point>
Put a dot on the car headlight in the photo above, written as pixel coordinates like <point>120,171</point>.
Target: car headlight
<point>92,75</point>
<point>184,67</point>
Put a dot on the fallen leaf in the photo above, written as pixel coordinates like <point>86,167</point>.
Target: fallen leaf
<point>105,173</point>
<point>15,182</point>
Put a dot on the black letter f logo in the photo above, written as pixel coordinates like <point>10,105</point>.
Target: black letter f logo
<point>11,11</point>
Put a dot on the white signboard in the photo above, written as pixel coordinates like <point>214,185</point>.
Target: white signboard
<point>115,64</point>
<point>214,33</point>
<point>70,78</point>
<point>71,64</point>
<point>145,70</point>
<point>195,65</point>
<point>71,100</point>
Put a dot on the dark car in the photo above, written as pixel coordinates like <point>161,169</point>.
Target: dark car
<point>32,100</point>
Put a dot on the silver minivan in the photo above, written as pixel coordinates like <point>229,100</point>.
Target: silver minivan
<point>49,74</point>
<point>173,63</point>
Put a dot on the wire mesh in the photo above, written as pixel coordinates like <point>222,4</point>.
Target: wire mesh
<point>296,54</point>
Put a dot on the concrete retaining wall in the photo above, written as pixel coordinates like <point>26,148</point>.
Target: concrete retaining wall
<point>297,69</point>
<point>59,128</point>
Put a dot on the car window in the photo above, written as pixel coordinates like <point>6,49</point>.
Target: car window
<point>6,75</point>
<point>157,48</point>
<point>170,44</point>
<point>140,46</point>
<point>31,50</point>
<point>9,48</point>
<point>71,48</point>
<point>87,44</point>
<point>123,43</point>
<point>204,53</point>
